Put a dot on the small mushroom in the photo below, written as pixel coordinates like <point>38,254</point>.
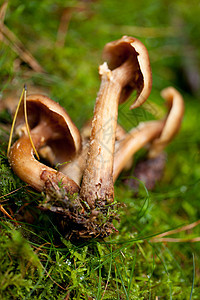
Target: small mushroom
<point>128,69</point>
<point>50,125</point>
<point>173,121</point>
<point>155,133</point>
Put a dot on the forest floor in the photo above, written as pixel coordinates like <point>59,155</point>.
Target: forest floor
<point>55,47</point>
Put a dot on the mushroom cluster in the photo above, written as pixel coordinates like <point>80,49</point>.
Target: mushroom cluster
<point>81,193</point>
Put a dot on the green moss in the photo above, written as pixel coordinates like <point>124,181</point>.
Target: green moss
<point>36,261</point>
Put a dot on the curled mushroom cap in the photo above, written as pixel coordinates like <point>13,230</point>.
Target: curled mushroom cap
<point>173,120</point>
<point>50,125</point>
<point>155,133</point>
<point>65,141</point>
<point>31,171</point>
<point>129,48</point>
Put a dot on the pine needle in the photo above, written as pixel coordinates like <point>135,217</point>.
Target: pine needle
<point>13,123</point>
<point>7,214</point>
<point>27,126</point>
<point>10,193</point>
<point>24,91</point>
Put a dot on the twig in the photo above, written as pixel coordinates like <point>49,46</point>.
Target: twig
<point>65,20</point>
<point>67,297</point>
<point>159,237</point>
<point>11,193</point>
<point>16,45</point>
<point>64,25</point>
<point>3,11</point>
<point>7,214</point>
<point>176,240</point>
<point>183,228</point>
<point>10,39</point>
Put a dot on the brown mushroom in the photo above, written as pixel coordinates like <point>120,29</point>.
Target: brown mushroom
<point>128,69</point>
<point>90,211</point>
<point>117,53</point>
<point>50,125</point>
<point>173,121</point>
<point>155,133</point>
<point>136,139</point>
<point>75,168</point>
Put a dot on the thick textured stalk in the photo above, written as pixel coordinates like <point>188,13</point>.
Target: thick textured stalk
<point>97,181</point>
<point>74,169</point>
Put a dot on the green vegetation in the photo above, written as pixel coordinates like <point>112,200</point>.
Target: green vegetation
<point>37,262</point>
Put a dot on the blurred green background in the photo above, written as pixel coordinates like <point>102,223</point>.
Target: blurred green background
<point>66,39</point>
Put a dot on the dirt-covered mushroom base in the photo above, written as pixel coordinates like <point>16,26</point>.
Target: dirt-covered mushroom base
<point>75,218</point>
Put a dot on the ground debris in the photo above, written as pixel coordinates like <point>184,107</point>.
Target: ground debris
<point>149,171</point>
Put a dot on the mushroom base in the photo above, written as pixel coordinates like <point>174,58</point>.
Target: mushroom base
<point>74,217</point>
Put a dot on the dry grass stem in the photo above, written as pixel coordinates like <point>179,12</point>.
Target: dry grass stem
<point>159,238</point>
<point>10,39</point>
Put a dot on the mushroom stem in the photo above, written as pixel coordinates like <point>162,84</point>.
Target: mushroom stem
<point>135,140</point>
<point>30,170</point>
<point>97,179</point>
<point>75,168</point>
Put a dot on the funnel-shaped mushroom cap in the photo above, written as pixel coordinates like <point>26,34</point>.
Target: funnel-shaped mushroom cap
<point>65,140</point>
<point>129,48</point>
